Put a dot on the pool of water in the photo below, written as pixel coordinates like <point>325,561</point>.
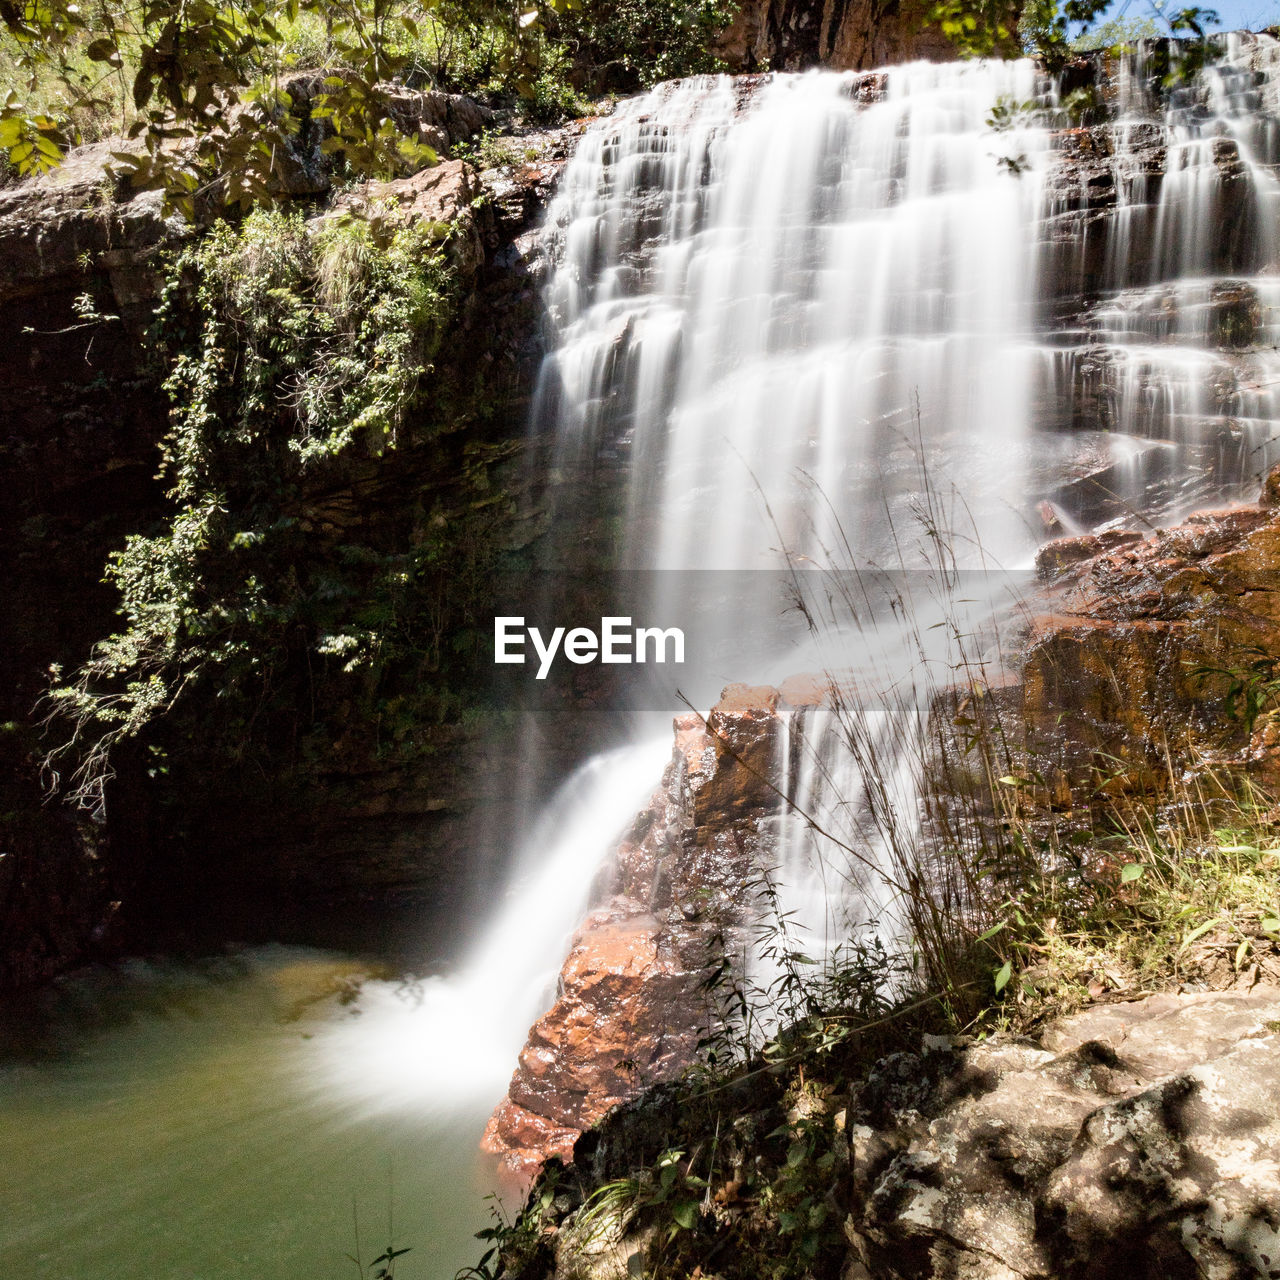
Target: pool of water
<point>230,1118</point>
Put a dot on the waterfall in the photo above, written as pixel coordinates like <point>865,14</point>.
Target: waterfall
<point>838,321</point>
<point>794,303</point>
<point>448,1043</point>
<point>1176,352</point>
<point>782,303</point>
<point>756,298</point>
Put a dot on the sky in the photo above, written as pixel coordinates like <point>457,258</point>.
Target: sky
<point>1234,14</point>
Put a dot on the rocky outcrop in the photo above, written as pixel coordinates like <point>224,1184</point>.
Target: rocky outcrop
<point>846,35</point>
<point>633,998</point>
<point>445,195</point>
<point>1140,639</point>
<point>1132,1139</point>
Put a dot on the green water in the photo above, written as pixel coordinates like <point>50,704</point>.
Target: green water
<point>180,1123</point>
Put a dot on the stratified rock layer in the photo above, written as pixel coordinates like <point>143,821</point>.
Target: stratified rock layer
<point>1135,652</point>
<point>847,35</point>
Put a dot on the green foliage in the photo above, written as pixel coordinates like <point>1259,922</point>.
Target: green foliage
<point>977,28</point>
<point>293,350</point>
<point>1054,29</point>
<point>197,81</point>
<point>667,1194</point>
<point>623,44</point>
<point>1251,690</point>
<point>515,1242</point>
<point>198,84</point>
<point>1154,895</point>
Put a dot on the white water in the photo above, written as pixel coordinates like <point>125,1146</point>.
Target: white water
<point>756,305</point>
<point>794,315</point>
<point>1157,357</point>
<point>450,1043</point>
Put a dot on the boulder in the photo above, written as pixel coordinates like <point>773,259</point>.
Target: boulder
<point>1135,1139</point>
<point>1138,637</point>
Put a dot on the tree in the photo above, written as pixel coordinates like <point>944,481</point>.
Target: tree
<point>200,84</point>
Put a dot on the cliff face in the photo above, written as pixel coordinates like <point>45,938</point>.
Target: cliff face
<point>337,827</point>
<point>681,892</point>
<point>846,35</point>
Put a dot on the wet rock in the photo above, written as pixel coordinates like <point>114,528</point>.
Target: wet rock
<point>632,1002</point>
<point>1270,496</point>
<point>1141,632</point>
<point>627,1016</point>
<point>1063,553</point>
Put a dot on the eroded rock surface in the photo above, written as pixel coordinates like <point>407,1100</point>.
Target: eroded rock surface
<point>1136,1139</point>
<point>632,1001</point>
<point>847,35</point>
<point>1138,636</point>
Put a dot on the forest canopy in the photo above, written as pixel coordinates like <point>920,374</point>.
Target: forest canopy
<point>200,87</point>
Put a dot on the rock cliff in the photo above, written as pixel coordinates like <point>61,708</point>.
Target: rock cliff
<point>331,833</point>
<point>633,1001</point>
<point>847,35</point>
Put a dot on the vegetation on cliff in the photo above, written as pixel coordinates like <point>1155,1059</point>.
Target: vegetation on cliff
<point>289,347</point>
<point>749,1167</point>
<point>203,92</point>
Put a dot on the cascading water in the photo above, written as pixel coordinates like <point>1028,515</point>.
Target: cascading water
<point>755,298</point>
<point>795,305</point>
<point>404,1054</point>
<point>1177,353</point>
<point>781,304</point>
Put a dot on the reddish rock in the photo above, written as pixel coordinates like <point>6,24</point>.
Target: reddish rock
<point>789,35</point>
<point>811,689</point>
<point>629,1015</point>
<point>1063,553</point>
<point>632,1005</point>
<point>1270,496</point>
<point>1131,659</point>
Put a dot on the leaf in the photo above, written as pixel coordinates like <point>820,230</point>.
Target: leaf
<point>104,50</point>
<point>1199,931</point>
<point>991,933</point>
<point>1270,924</point>
<point>1131,871</point>
<point>1003,974</point>
<point>1241,951</point>
<point>685,1214</point>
